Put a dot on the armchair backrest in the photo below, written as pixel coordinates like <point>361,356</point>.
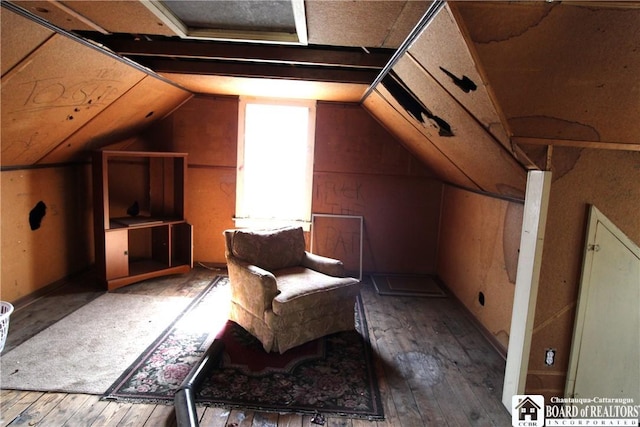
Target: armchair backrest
<point>268,249</point>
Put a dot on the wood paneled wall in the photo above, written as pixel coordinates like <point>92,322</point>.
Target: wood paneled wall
<point>609,180</point>
<point>478,256</point>
<point>62,245</point>
<point>360,169</point>
<point>479,241</point>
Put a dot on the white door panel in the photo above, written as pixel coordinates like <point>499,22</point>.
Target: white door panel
<point>605,358</point>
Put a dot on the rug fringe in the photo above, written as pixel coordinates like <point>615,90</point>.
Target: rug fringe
<point>301,412</point>
<point>138,400</point>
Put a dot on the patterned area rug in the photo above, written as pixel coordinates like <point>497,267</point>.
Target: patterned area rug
<point>334,375</point>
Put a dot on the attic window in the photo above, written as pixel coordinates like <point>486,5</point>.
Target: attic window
<point>272,21</point>
<point>275,162</point>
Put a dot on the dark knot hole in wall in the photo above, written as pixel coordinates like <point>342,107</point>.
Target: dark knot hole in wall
<point>36,215</point>
<point>465,83</point>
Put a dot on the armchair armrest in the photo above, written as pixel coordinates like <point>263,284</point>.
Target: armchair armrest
<point>326,265</point>
<point>252,287</point>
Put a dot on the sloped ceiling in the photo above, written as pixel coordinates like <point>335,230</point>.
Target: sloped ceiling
<point>560,71</point>
<point>61,98</point>
<point>510,80</point>
<point>480,94</point>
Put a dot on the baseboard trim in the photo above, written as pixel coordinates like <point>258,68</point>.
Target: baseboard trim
<point>48,289</point>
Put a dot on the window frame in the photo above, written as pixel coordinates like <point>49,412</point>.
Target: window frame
<point>243,218</point>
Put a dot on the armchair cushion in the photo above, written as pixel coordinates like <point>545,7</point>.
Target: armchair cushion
<point>302,289</point>
<point>270,249</point>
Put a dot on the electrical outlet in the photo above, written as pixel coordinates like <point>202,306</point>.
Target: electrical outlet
<point>550,357</point>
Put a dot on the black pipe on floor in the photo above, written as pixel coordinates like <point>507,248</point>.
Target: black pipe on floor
<point>184,399</point>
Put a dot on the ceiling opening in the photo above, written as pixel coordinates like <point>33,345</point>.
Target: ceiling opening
<point>268,21</point>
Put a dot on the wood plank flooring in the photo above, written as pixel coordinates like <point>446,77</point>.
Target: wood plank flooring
<point>434,367</point>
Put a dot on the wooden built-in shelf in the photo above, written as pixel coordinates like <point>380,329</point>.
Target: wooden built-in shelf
<point>152,240</point>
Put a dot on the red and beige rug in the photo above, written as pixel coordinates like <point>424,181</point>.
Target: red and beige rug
<point>334,375</point>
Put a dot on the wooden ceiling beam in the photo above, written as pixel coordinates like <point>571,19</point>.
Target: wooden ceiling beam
<point>610,4</point>
<point>238,69</point>
<point>297,55</point>
<point>574,143</point>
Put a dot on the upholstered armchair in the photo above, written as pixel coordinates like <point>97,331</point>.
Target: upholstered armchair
<point>282,294</point>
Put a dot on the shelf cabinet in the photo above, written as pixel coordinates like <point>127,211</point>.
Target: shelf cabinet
<point>140,224</point>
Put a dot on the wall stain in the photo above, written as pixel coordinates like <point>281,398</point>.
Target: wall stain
<point>499,25</point>
<point>512,230</point>
<point>541,126</point>
<point>563,161</point>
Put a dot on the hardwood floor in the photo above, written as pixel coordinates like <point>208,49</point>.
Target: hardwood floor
<point>434,366</point>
